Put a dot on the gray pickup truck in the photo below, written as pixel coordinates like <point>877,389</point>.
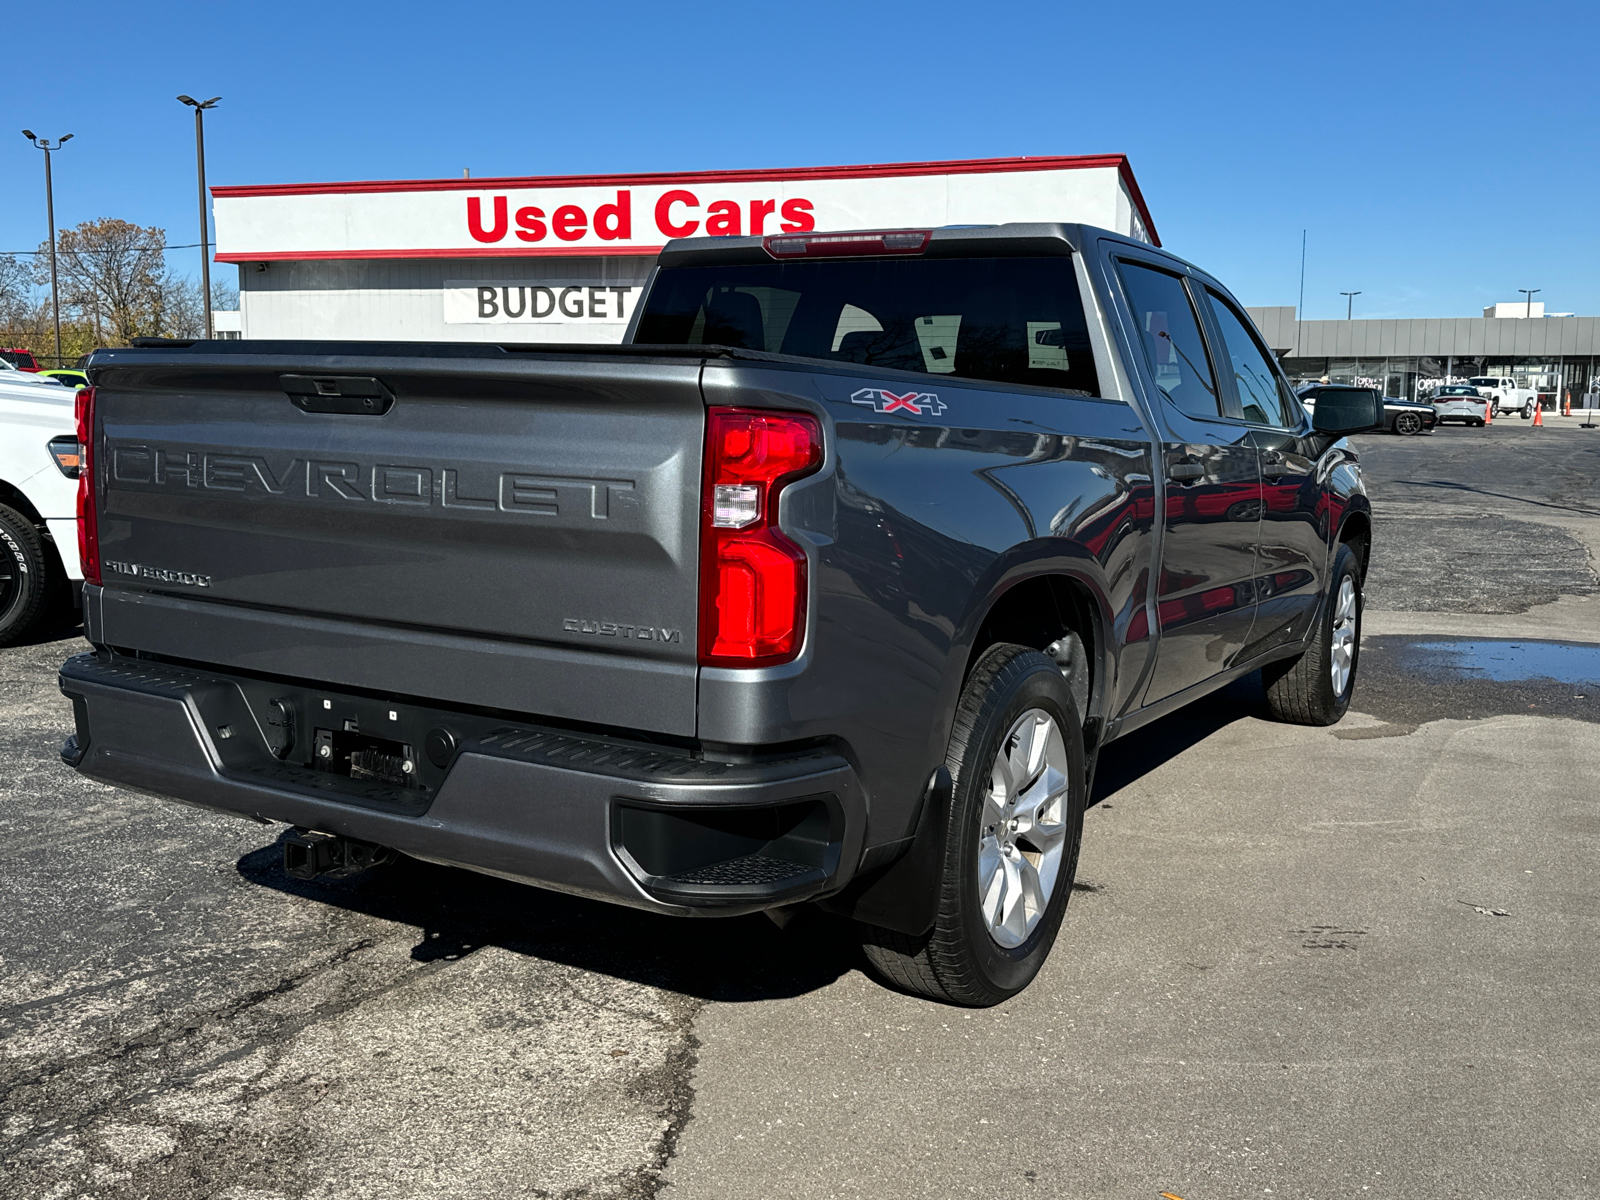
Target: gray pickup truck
<point>827,586</point>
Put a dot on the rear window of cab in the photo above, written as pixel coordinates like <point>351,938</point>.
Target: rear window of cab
<point>1007,320</point>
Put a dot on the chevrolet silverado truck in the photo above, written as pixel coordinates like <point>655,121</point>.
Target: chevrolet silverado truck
<point>827,586</point>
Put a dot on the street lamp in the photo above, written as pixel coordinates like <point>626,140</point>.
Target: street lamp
<point>1530,293</point>
<point>200,107</point>
<point>50,212</point>
<point>1349,303</point>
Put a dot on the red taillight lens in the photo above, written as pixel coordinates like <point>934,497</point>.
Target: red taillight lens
<point>843,245</point>
<point>88,524</point>
<point>752,578</point>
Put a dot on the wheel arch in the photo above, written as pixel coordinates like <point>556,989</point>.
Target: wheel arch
<point>14,497</point>
<point>1037,600</point>
<point>1356,532</point>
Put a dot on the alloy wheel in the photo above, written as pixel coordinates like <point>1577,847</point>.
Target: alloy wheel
<point>1342,658</point>
<point>1024,829</point>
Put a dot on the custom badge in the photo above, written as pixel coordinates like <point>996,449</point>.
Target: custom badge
<point>918,404</point>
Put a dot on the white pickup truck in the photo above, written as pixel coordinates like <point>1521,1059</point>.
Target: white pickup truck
<point>1504,396</point>
<point>38,502</point>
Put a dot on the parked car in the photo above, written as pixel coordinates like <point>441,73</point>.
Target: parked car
<point>22,360</point>
<point>1504,395</point>
<point>66,375</point>
<point>827,586</point>
<point>38,502</point>
<point>1460,402</point>
<point>1400,416</point>
<point>17,376</point>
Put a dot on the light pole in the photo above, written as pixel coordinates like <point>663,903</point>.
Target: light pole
<point>50,212</point>
<point>200,107</point>
<point>1530,293</point>
<point>1349,303</point>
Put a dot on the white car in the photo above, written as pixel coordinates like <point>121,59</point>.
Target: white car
<point>1504,396</point>
<point>1460,402</point>
<point>38,503</point>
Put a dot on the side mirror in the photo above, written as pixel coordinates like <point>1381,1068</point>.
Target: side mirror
<point>1347,412</point>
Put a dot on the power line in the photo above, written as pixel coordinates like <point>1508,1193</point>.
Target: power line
<point>127,249</point>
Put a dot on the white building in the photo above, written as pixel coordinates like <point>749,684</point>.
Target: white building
<point>562,259</point>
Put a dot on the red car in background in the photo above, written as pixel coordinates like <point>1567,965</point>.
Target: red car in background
<point>22,360</point>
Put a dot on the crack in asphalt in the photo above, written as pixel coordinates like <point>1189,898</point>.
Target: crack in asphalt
<point>191,1025</point>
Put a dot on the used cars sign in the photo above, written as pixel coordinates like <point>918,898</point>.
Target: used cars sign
<point>636,215</point>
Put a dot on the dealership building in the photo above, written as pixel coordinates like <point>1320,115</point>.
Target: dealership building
<point>563,259</point>
<point>1554,355</point>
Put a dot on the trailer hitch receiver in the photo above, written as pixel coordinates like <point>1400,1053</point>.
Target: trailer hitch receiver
<point>311,855</point>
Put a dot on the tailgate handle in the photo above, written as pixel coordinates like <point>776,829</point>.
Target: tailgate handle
<point>352,395</point>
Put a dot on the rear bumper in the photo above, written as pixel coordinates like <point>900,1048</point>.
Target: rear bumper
<point>651,827</point>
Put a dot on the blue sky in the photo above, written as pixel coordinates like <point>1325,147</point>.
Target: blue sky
<point>1440,155</point>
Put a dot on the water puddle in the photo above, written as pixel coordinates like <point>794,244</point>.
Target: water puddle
<point>1505,661</point>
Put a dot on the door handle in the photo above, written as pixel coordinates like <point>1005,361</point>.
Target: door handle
<point>1185,472</point>
<point>1276,470</point>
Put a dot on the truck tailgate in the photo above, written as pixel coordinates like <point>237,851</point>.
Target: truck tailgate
<point>507,531</point>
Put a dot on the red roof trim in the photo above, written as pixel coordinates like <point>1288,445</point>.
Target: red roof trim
<point>497,252</point>
<point>966,166</point>
<point>1125,170</point>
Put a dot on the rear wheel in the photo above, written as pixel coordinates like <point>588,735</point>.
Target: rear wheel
<point>1408,424</point>
<point>26,580</point>
<point>1014,826</point>
<point>1315,689</point>
<point>1494,408</point>
<point>1479,423</point>
<point>1527,411</point>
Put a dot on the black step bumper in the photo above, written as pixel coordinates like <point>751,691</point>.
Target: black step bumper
<point>653,827</point>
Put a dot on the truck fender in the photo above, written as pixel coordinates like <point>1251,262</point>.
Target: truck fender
<point>897,884</point>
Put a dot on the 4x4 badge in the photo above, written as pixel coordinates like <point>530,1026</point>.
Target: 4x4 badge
<point>883,401</point>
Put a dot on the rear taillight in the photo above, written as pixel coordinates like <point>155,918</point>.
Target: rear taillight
<point>88,525</point>
<point>752,578</point>
<point>843,245</point>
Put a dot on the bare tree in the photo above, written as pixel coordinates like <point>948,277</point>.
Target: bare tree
<point>224,296</point>
<point>114,273</point>
<point>16,291</point>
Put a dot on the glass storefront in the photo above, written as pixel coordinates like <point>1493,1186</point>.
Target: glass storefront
<point>1416,378</point>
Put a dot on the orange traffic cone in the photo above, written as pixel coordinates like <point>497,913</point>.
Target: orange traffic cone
<point>1538,415</point>
<point>1488,412</point>
<point>1566,410</point>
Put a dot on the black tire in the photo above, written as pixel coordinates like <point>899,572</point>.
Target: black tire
<point>1527,412</point>
<point>1479,424</point>
<point>1406,424</point>
<point>1301,690</point>
<point>958,961</point>
<point>28,584</point>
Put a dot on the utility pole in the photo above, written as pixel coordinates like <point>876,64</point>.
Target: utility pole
<point>200,107</point>
<point>1530,293</point>
<point>1300,309</point>
<point>1349,303</point>
<point>50,213</point>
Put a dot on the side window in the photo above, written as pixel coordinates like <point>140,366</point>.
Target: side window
<point>1171,334</point>
<point>1263,397</point>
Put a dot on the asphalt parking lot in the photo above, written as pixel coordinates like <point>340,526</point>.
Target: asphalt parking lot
<point>1299,962</point>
